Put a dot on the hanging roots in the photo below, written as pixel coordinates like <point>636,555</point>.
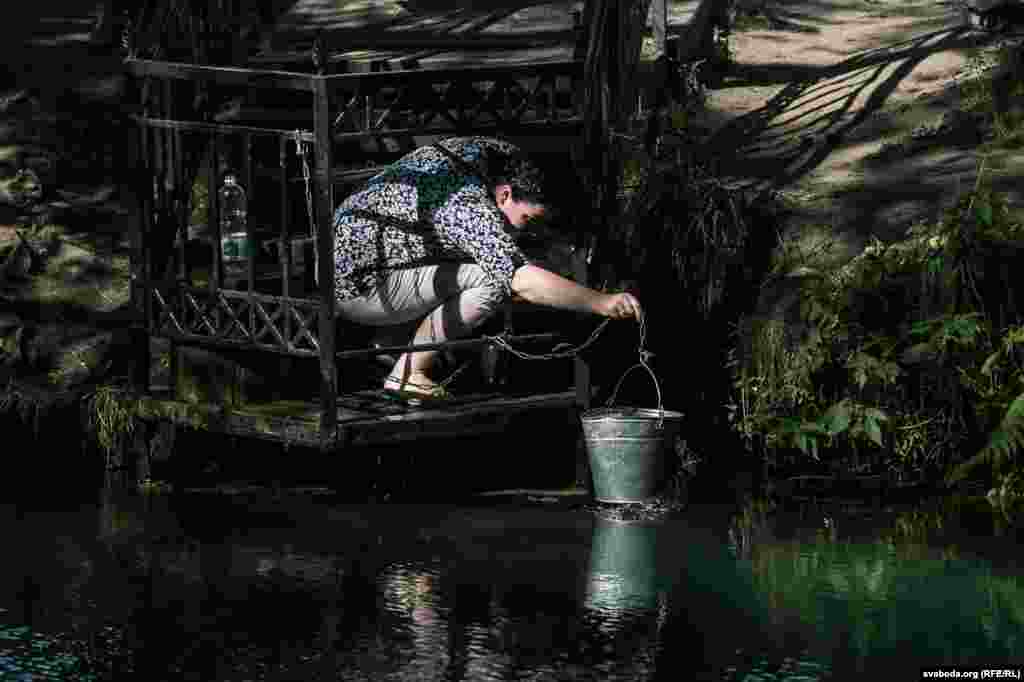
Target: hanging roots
<point>701,221</point>
<point>110,418</point>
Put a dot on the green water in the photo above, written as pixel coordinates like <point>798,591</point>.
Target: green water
<point>310,588</point>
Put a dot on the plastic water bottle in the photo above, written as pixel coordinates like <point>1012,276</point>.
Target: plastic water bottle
<point>233,213</point>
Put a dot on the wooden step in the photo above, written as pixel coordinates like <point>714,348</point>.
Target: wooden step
<point>364,418</point>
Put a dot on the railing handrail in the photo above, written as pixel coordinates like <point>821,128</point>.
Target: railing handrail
<point>225,128</point>
<point>295,80</point>
<point>292,42</point>
<point>478,71</point>
<point>227,75</point>
<point>445,345</point>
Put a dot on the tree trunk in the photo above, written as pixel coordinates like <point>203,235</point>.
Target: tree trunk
<point>615,33</point>
<point>192,32</point>
<point>699,38</point>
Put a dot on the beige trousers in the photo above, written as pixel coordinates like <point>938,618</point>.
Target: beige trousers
<point>455,297</point>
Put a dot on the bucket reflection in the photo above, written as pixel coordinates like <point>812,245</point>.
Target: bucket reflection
<point>624,573</point>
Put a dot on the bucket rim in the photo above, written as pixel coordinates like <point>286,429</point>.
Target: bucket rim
<point>629,414</point>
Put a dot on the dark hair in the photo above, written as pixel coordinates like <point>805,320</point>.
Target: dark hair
<point>521,174</point>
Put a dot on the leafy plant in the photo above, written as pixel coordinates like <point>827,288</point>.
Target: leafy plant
<point>857,421</point>
<point>865,368</point>
<point>1004,397</point>
<point>913,318</point>
<point>950,331</point>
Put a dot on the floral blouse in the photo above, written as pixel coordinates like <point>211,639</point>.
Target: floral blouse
<point>424,209</point>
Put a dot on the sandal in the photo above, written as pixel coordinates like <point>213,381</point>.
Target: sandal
<point>417,394</point>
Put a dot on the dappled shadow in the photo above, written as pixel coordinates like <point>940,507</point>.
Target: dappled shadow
<point>803,124</point>
<point>439,17</point>
<point>746,75</point>
<point>480,6</point>
<point>918,189</point>
<point>809,16</point>
<point>788,20</point>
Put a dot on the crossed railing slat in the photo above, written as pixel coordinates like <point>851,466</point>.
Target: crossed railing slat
<point>470,100</point>
<point>275,323</point>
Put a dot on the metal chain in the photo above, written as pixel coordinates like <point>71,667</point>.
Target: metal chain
<point>451,377</point>
<point>501,342</point>
<point>300,149</point>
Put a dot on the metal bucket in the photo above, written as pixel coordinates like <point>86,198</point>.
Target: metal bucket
<point>628,448</point>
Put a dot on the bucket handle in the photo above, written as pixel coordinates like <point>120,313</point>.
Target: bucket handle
<point>657,388</point>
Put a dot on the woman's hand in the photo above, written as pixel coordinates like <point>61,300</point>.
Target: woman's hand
<point>620,306</point>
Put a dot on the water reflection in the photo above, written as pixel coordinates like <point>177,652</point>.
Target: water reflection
<point>623,574</point>
<point>248,589</point>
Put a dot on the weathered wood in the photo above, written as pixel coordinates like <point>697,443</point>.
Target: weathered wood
<point>453,345</point>
<point>700,43</point>
<point>250,259</point>
<point>298,327</point>
<point>221,128</point>
<point>141,278</point>
<point>211,377</point>
<point>285,250</point>
<point>186,314</point>
<point>542,127</point>
<point>367,419</point>
<point>325,249</point>
<point>220,75</point>
<point>421,40</point>
<point>381,79</point>
<point>213,216</point>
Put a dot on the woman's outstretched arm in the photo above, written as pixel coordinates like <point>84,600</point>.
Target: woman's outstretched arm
<point>543,287</point>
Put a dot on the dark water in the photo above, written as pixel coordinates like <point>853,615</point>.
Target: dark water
<point>305,588</point>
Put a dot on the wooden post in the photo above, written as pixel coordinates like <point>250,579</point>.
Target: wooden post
<point>213,216</point>
<point>659,27</point>
<point>284,253</point>
<point>142,285</point>
<point>580,367</point>
<point>325,250</point>
<point>180,216</point>
<point>599,82</point>
<point>250,241</point>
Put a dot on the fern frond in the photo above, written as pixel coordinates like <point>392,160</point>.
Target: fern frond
<point>1003,443</point>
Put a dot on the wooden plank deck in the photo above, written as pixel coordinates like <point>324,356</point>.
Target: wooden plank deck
<point>364,418</point>
<point>435,34</point>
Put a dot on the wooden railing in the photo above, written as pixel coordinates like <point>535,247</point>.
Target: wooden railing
<point>343,107</point>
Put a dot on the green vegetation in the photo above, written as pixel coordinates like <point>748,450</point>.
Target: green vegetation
<point>112,418</point>
<point>994,93</point>
<point>866,597</point>
<point>909,353</point>
<point>906,359</point>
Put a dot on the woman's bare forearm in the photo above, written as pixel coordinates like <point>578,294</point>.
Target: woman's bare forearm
<point>543,287</point>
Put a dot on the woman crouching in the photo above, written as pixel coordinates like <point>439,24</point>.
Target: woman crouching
<point>432,238</point>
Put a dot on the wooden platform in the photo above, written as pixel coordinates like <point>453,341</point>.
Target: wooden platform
<point>400,33</point>
<point>364,418</point>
